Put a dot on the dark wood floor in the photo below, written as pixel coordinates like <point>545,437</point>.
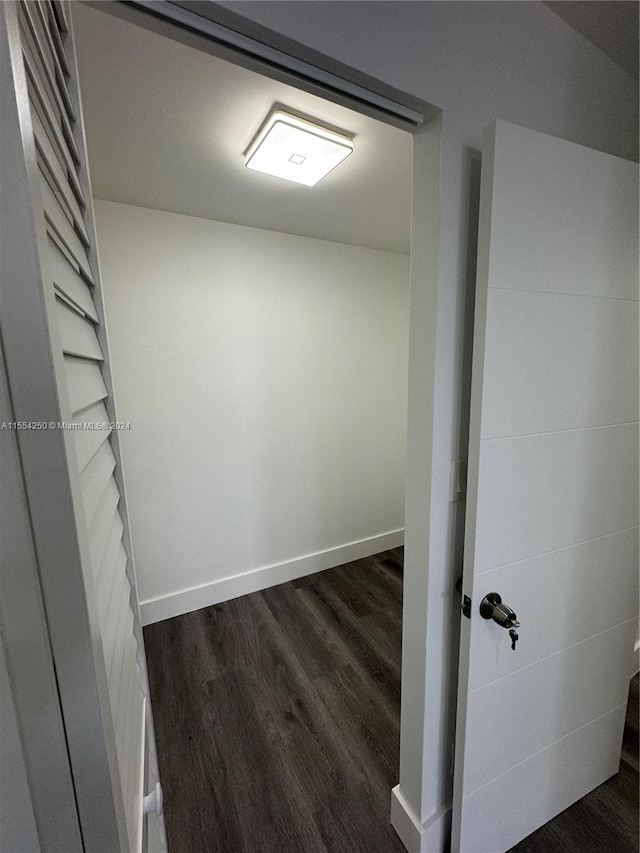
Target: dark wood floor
<point>277,715</point>
<point>277,723</point>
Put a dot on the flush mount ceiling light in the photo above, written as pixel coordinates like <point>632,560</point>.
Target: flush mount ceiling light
<point>295,149</point>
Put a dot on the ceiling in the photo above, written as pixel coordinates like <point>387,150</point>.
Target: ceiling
<point>612,25</point>
<point>167,126</point>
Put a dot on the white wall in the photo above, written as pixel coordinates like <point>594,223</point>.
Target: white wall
<point>478,61</point>
<point>265,377</point>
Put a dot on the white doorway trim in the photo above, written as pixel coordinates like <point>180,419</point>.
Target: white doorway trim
<point>227,35</point>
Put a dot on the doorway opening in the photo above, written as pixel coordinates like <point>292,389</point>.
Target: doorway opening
<point>211,361</point>
<point>54,208</point>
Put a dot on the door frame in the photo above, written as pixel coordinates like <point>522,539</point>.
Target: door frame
<point>232,37</point>
<point>204,25</point>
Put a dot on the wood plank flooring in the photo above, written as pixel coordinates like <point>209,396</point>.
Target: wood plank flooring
<point>277,722</point>
<point>277,715</point>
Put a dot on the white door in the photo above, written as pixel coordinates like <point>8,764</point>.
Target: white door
<point>57,364</point>
<point>552,504</point>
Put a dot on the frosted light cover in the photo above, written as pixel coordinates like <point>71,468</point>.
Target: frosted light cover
<point>296,150</point>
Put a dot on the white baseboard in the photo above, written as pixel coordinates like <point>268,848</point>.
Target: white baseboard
<point>186,600</point>
<point>430,837</point>
<point>405,822</point>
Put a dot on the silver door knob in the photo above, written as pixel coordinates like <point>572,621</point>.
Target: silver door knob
<point>491,607</point>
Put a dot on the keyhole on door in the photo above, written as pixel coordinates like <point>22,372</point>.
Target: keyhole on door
<point>492,607</point>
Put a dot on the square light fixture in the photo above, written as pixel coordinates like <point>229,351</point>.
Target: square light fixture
<point>295,149</point>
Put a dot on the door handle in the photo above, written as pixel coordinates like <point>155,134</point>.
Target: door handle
<point>491,607</point>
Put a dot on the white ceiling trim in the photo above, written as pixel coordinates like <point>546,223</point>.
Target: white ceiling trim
<point>273,58</point>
